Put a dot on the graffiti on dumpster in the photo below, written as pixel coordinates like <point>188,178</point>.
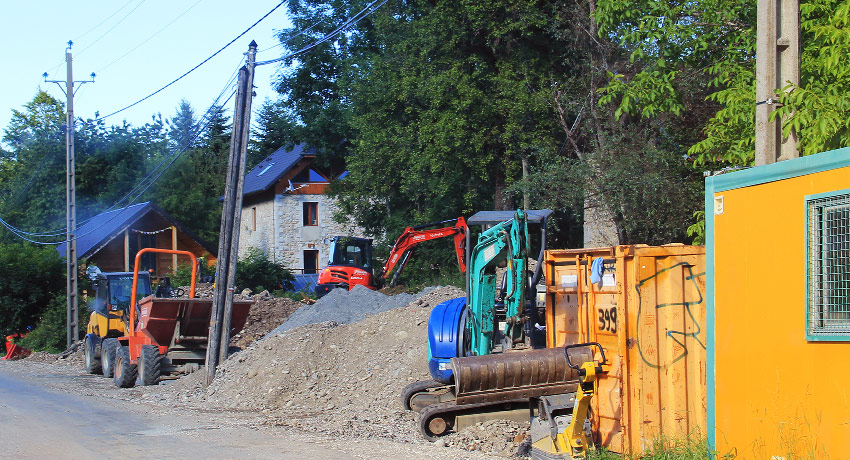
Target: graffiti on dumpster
<point>650,356</point>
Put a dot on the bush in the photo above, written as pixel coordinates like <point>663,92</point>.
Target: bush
<point>50,333</point>
<point>183,277</point>
<point>29,278</point>
<point>256,272</point>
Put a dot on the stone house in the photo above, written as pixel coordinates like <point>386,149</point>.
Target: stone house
<point>286,212</point>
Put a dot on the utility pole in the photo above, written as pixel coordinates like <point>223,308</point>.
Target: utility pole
<point>231,216</point>
<point>70,198</point>
<point>777,63</point>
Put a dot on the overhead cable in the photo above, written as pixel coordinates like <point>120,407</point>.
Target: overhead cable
<point>194,68</point>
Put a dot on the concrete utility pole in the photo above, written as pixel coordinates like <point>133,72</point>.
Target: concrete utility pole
<point>777,63</point>
<point>70,197</point>
<point>231,216</point>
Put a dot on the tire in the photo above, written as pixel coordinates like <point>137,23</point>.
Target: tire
<point>150,365</point>
<point>92,359</point>
<point>107,356</point>
<point>125,372</point>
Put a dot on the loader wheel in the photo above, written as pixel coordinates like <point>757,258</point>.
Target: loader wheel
<point>125,372</point>
<point>107,356</point>
<point>92,360</point>
<point>150,365</point>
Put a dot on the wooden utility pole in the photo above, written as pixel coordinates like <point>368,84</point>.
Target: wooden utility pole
<point>777,64</point>
<point>231,216</point>
<point>72,328</point>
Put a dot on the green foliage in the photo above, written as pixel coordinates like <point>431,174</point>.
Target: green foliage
<point>274,127</point>
<point>819,109</point>
<point>438,101</point>
<point>183,275</point>
<point>691,448</point>
<point>50,333</point>
<point>257,272</point>
<point>29,278</point>
<point>190,190</point>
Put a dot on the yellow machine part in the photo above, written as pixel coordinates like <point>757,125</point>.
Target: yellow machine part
<point>107,325</point>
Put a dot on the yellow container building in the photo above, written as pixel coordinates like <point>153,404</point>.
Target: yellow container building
<point>778,313</point>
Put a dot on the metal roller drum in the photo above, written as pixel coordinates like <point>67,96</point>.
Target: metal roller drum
<point>516,375</point>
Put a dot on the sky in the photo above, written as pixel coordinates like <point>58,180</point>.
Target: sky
<point>135,47</point>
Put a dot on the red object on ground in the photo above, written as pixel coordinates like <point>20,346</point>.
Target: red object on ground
<point>13,350</point>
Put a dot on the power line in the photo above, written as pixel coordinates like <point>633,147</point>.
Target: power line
<point>91,30</point>
<point>194,68</point>
<point>111,28</point>
<point>20,234</point>
<point>151,37</point>
<point>309,28</point>
<point>208,116</point>
<point>104,21</point>
<point>355,19</point>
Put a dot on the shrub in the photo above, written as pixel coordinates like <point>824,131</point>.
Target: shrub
<point>50,333</point>
<point>29,278</point>
<point>257,272</point>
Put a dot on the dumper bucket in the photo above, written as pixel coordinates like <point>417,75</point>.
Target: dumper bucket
<point>183,320</point>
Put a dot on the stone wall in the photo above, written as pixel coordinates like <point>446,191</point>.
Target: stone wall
<point>293,237</point>
<point>263,237</point>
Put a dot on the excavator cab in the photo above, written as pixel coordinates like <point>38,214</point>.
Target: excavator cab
<point>350,263</point>
<point>351,252</point>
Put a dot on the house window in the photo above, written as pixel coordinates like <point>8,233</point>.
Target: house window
<point>311,213</point>
<point>254,219</point>
<point>311,261</point>
<point>828,266</point>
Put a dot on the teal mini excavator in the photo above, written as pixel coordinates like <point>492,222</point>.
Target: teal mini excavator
<point>486,351</point>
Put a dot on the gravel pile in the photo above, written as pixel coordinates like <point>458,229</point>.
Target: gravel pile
<point>500,437</point>
<point>344,307</point>
<point>338,379</point>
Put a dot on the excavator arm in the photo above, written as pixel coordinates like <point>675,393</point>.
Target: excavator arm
<point>412,236</point>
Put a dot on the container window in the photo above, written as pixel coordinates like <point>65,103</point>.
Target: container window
<point>828,270</point>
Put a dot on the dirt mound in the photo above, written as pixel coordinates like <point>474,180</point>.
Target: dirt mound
<point>266,314</point>
<point>340,379</point>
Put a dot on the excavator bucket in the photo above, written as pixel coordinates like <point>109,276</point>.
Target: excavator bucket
<point>183,320</point>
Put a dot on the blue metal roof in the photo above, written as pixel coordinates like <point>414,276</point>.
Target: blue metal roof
<point>263,176</point>
<point>98,231</point>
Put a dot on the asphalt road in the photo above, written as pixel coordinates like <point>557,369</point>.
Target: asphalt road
<point>40,421</point>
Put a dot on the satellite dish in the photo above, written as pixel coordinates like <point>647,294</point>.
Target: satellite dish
<point>93,272</point>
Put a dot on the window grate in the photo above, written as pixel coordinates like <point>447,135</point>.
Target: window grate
<point>828,271</point>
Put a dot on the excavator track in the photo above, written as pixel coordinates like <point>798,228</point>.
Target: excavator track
<point>419,395</point>
<point>439,419</point>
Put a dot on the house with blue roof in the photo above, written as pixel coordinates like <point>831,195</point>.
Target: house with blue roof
<point>286,212</point>
<point>111,240</point>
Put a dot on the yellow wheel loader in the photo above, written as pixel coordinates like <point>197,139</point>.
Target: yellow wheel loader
<point>110,313</point>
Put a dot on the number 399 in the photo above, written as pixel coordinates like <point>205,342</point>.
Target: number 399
<point>608,319</point>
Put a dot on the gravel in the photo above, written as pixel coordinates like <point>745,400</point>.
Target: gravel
<point>344,307</point>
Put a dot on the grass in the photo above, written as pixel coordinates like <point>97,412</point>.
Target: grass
<point>663,449</point>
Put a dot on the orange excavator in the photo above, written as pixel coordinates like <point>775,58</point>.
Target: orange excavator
<point>350,261</point>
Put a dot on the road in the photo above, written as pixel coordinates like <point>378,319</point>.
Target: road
<point>42,421</point>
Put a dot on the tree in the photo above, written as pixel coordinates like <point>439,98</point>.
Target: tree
<point>181,127</point>
<point>33,192</point>
<point>190,189</point>
<point>275,127</point>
